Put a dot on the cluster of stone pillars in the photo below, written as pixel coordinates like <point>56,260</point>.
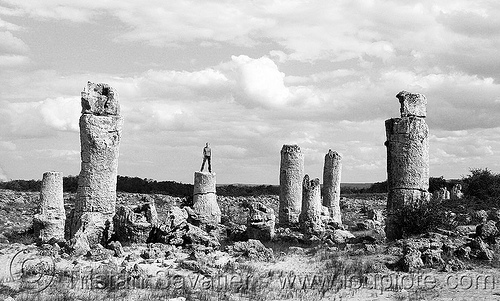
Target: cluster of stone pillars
<point>407,158</point>
<point>300,197</point>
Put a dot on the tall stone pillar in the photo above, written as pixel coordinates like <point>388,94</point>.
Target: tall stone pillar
<point>310,216</point>
<point>205,198</point>
<point>291,175</point>
<point>331,184</point>
<point>49,222</point>
<point>407,158</point>
<point>100,134</point>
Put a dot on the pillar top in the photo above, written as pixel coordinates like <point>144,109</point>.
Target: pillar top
<point>412,104</point>
<point>99,99</point>
<point>290,148</point>
<point>333,154</point>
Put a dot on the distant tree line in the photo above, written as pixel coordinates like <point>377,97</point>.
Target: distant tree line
<point>481,183</point>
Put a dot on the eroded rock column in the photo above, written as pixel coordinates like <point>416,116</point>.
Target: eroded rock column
<point>291,175</point>
<point>310,216</point>
<point>407,158</point>
<point>49,222</point>
<point>205,198</point>
<point>100,134</point>
<point>331,184</point>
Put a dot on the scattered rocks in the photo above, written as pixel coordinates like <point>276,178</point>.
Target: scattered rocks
<point>487,231</point>
<point>252,249</point>
<point>117,248</point>
<point>99,253</point>
<point>341,236</point>
<point>135,225</point>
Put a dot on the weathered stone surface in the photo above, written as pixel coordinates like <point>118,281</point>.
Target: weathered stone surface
<point>412,104</point>
<point>407,158</point>
<point>456,192</point>
<point>341,236</point>
<point>252,249</point>
<point>260,222</point>
<point>407,153</point>
<point>49,222</point>
<point>100,133</point>
<point>291,175</point>
<point>331,184</point>
<point>117,248</point>
<point>135,225</point>
<point>205,198</point>
<point>99,99</point>
<point>487,231</point>
<point>310,215</point>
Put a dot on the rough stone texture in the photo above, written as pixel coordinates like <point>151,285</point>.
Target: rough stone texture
<point>252,249</point>
<point>310,216</point>
<point>407,153</point>
<point>291,175</point>
<point>331,184</point>
<point>407,158</point>
<point>205,198</point>
<point>412,104</point>
<point>456,192</point>
<point>487,231</point>
<point>100,133</point>
<point>49,222</point>
<point>135,225</point>
<point>260,222</point>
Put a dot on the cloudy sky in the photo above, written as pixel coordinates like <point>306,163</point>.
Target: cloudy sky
<point>249,76</point>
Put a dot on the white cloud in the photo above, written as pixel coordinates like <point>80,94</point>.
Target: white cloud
<point>61,113</point>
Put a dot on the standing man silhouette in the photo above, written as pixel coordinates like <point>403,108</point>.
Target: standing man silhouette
<point>207,155</point>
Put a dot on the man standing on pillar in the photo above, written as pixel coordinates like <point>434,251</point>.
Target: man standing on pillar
<point>207,155</point>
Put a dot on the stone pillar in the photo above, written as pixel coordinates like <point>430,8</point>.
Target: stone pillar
<point>205,198</point>
<point>100,134</point>
<point>49,222</point>
<point>291,175</point>
<point>407,158</point>
<point>310,216</point>
<point>456,192</point>
<point>331,184</point>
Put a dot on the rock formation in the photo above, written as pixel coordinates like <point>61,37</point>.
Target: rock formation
<point>49,222</point>
<point>310,216</point>
<point>442,194</point>
<point>291,175</point>
<point>407,158</point>
<point>456,192</point>
<point>205,198</point>
<point>331,184</point>
<point>135,225</point>
<point>100,133</point>
<point>260,222</point>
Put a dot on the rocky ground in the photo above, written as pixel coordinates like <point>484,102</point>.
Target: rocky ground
<point>348,262</point>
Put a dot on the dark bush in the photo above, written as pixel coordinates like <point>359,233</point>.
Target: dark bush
<point>482,184</point>
<point>418,219</point>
